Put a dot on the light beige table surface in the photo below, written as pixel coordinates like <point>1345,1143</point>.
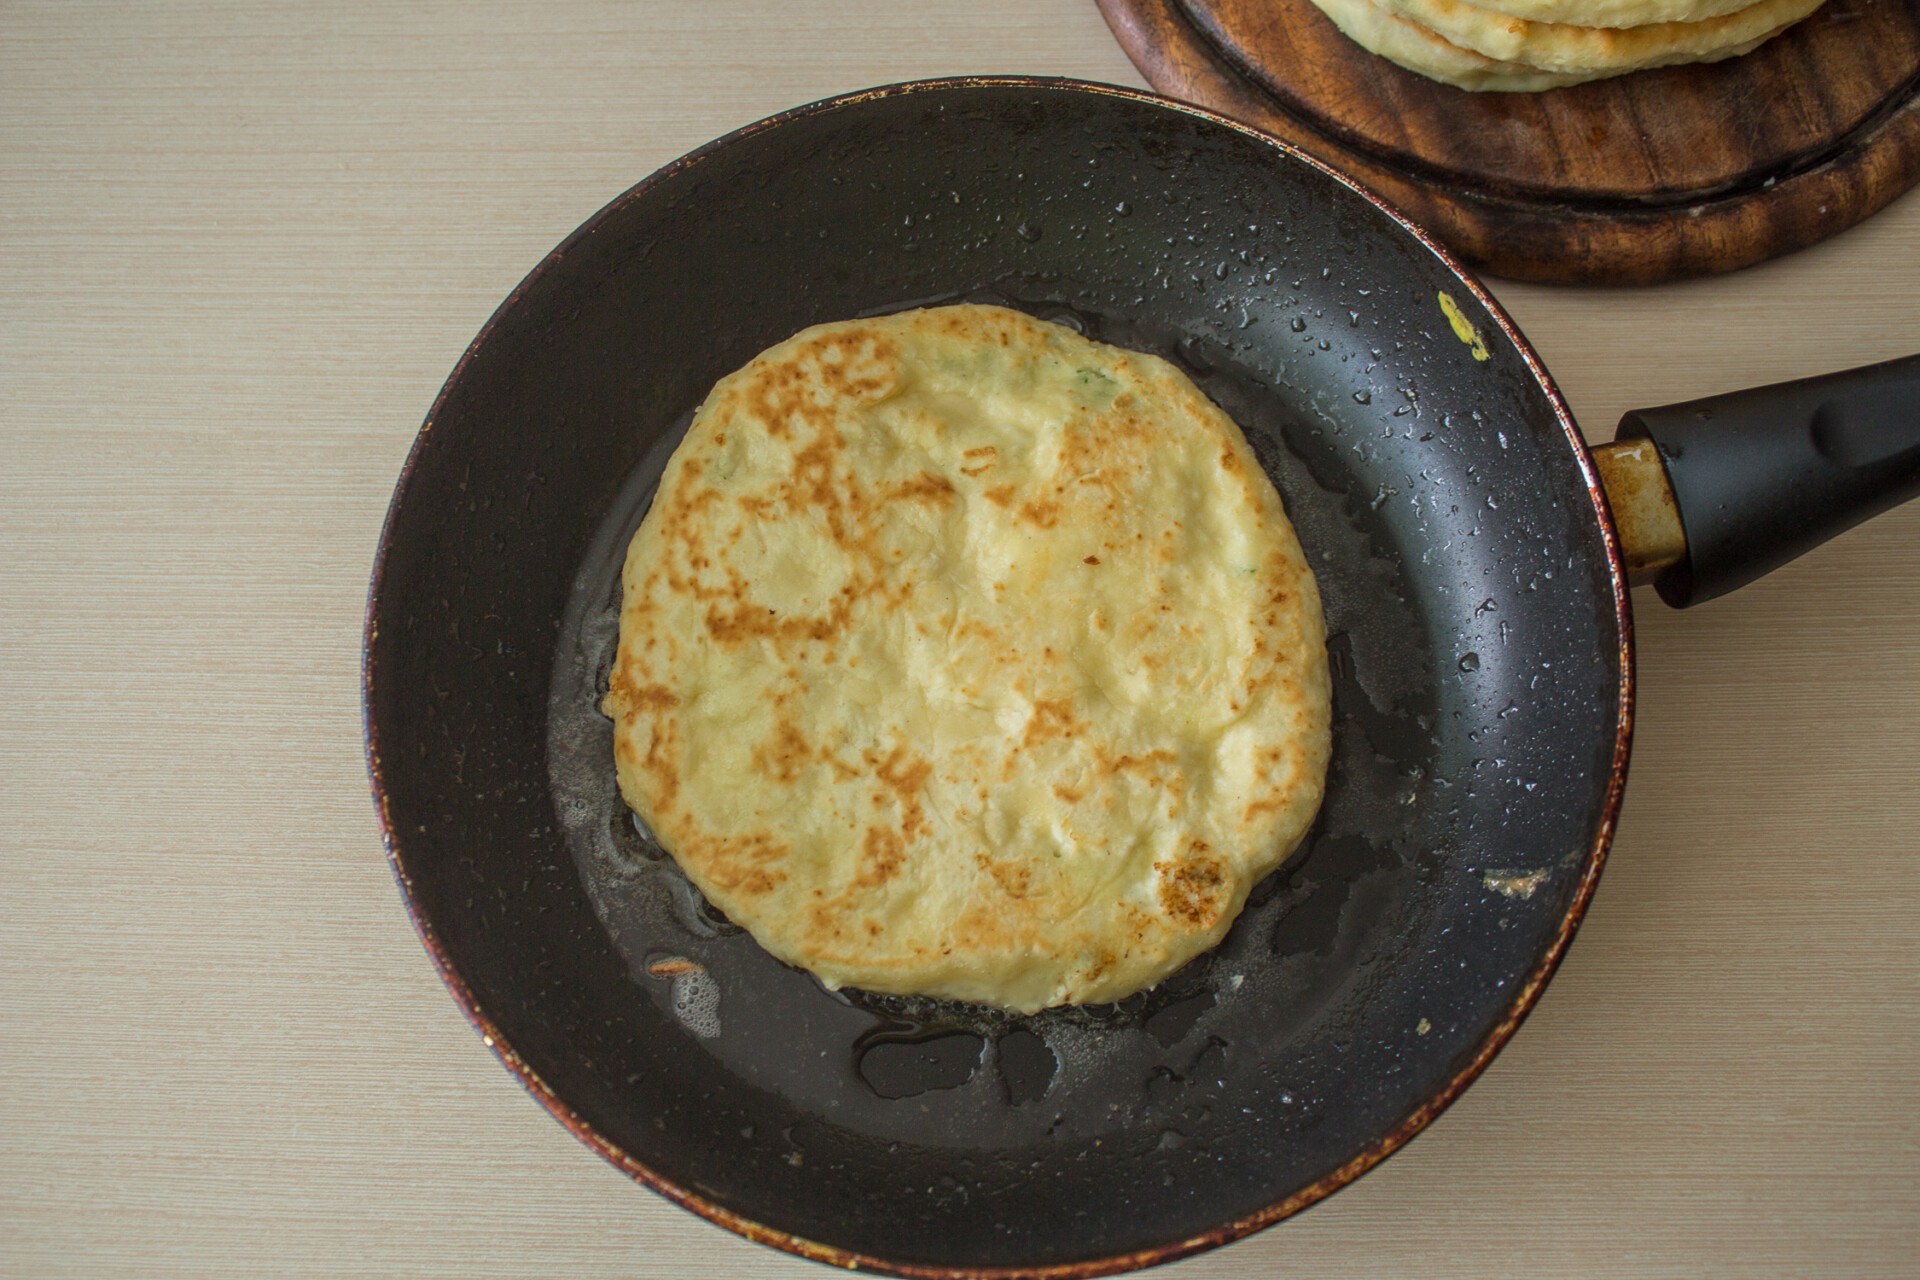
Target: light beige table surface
<point>242,244</point>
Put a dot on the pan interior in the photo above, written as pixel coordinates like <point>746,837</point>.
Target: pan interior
<point>1474,641</point>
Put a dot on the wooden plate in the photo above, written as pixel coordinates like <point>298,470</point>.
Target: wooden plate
<point>1653,176</point>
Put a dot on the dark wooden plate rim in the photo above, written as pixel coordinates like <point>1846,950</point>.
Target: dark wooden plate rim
<point>1524,997</point>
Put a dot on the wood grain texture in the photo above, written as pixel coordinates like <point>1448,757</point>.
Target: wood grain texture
<point>1659,175</point>
<point>241,246</point>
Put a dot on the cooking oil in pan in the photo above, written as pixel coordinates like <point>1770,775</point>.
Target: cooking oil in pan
<point>944,1074</point>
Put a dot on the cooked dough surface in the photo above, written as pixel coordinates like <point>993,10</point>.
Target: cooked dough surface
<point>1582,50</point>
<point>1486,47</point>
<point>963,656</point>
<point>1377,29</point>
<point>1614,13</point>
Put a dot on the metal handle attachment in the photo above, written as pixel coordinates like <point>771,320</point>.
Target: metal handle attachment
<point>1711,494</point>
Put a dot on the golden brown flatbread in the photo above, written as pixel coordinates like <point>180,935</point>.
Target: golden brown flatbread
<point>963,656</point>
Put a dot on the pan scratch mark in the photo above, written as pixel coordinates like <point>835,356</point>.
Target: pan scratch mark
<point>1514,884</point>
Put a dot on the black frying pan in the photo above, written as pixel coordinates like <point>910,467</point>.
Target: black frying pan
<point>1475,589</point>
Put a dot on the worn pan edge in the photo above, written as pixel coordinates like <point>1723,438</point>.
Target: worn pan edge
<point>1527,994</point>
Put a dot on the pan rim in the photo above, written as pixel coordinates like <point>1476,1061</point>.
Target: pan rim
<point>1527,992</point>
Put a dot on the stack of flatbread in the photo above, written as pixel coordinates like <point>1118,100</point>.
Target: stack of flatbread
<point>1528,45</point>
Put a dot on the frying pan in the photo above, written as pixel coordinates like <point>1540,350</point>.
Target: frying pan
<point>1476,589</point>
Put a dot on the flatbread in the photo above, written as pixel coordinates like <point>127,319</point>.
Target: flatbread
<point>1614,13</point>
<point>963,656</point>
<point>1410,45</point>
<point>1577,50</point>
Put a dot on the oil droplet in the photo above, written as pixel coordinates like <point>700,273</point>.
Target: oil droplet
<point>1164,1086</point>
<point>1297,324</point>
<point>1027,1065</point>
<point>1065,315</point>
<point>1170,1023</point>
<point>1469,662</point>
<point>633,842</point>
<point>1192,353</point>
<point>900,1066</point>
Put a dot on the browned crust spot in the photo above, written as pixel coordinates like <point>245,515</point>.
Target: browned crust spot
<point>982,930</point>
<point>882,854</point>
<point>747,620</point>
<point>1191,891</point>
<point>646,708</point>
<point>785,755</point>
<point>904,775</point>
<point>1041,513</point>
<point>741,864</point>
<point>977,462</point>
<point>1147,762</point>
<point>1015,879</point>
<point>1051,718</point>
<point>639,697</point>
<point>925,487</point>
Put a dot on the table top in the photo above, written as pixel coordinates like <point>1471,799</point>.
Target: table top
<point>245,242</point>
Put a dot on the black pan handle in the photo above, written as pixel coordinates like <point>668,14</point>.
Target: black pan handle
<point>1759,477</point>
